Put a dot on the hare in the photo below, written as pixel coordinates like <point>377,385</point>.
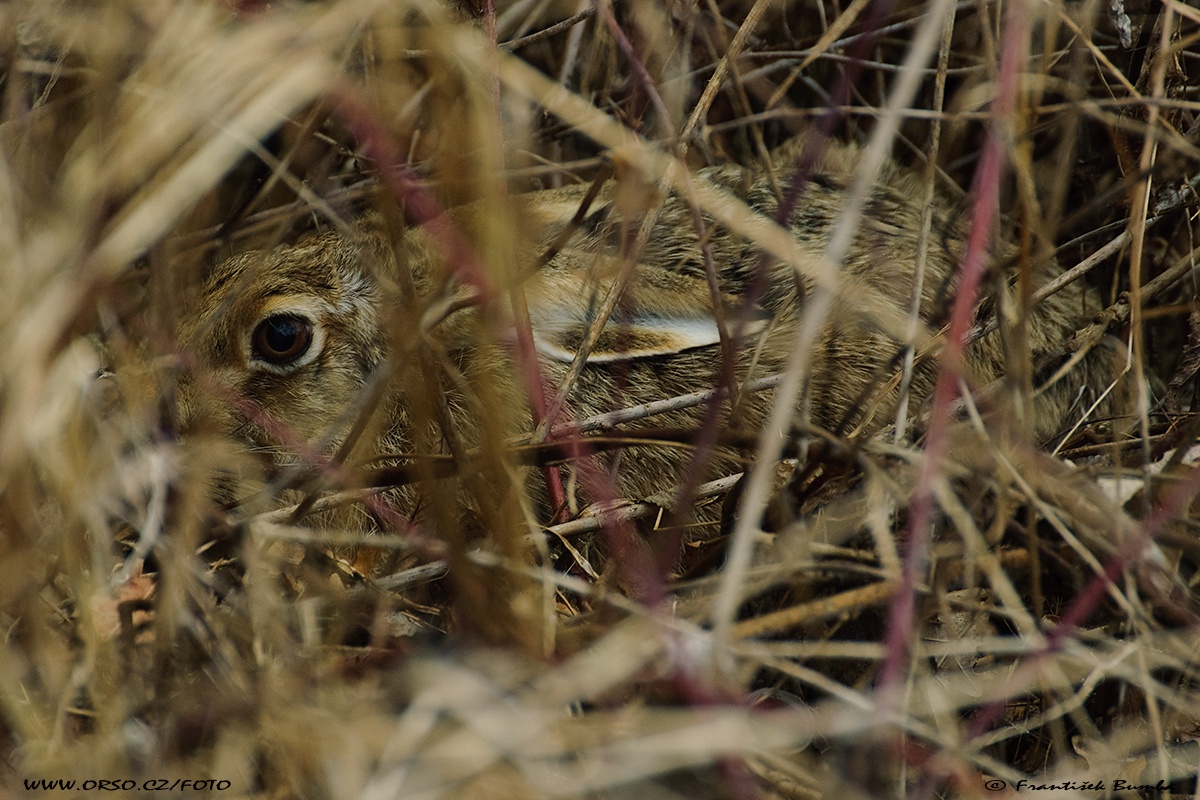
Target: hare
<point>304,341</point>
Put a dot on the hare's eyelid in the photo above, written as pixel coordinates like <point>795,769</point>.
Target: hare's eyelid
<point>302,305</point>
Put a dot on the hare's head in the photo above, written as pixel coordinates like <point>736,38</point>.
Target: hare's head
<point>281,343</point>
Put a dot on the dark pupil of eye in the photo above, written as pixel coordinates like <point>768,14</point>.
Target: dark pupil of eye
<point>282,335</point>
<point>282,339</point>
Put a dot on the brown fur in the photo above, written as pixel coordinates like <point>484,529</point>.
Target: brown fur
<point>370,311</point>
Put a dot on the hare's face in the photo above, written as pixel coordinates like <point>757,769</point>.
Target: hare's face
<point>282,344</point>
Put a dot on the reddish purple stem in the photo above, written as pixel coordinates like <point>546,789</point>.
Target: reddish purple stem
<point>1073,618</point>
<point>419,204</point>
<point>421,207</point>
<point>986,191</point>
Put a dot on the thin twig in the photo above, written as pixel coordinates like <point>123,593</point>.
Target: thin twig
<point>553,30</point>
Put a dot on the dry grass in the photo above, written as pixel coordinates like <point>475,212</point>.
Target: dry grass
<point>893,619</point>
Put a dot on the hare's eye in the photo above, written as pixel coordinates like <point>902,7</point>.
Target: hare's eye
<point>282,339</point>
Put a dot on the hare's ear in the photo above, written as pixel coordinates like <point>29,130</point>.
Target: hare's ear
<point>657,324</point>
<point>639,337</point>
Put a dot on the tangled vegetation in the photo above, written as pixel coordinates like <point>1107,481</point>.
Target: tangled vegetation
<point>939,605</point>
